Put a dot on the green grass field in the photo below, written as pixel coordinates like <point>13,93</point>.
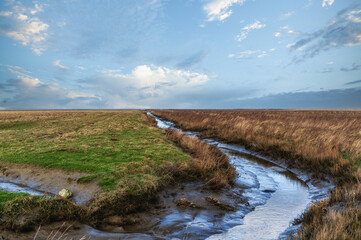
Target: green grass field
<point>111,146</point>
<point>120,150</point>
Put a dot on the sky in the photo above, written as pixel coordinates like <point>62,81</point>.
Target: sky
<point>120,54</point>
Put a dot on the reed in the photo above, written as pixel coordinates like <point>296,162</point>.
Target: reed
<point>326,143</point>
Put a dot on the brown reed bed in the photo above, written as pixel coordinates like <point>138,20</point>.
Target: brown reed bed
<point>326,143</point>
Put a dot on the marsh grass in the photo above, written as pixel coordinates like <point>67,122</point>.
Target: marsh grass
<point>102,143</point>
<point>23,212</point>
<point>122,151</point>
<point>324,142</point>
<point>8,196</point>
<point>118,149</point>
<point>208,162</point>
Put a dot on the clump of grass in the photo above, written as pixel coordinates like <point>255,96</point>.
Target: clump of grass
<point>8,196</point>
<point>23,213</point>
<point>338,217</point>
<point>87,179</point>
<point>208,162</point>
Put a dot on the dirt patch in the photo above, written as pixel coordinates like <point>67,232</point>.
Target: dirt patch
<point>183,202</point>
<point>49,180</point>
<point>216,202</point>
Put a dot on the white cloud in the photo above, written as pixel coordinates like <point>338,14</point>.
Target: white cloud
<point>16,69</point>
<point>244,54</point>
<point>262,55</point>
<point>342,30</point>
<point>245,30</point>
<point>59,65</point>
<point>29,81</point>
<point>219,9</point>
<point>255,25</point>
<point>326,3</point>
<point>249,54</point>
<point>153,78</point>
<point>81,67</point>
<point>277,34</point>
<point>287,15</point>
<point>145,86</point>
<point>291,32</point>
<point>27,92</point>
<point>5,14</point>
<point>354,16</point>
<point>291,45</point>
<point>21,17</point>
<point>25,27</point>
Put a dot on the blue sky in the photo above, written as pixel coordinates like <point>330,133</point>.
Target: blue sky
<point>180,54</point>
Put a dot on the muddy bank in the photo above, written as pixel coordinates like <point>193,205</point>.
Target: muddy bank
<point>15,177</point>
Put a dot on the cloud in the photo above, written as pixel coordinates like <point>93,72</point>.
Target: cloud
<point>287,15</point>
<point>27,92</point>
<point>22,25</point>
<point>249,54</point>
<point>326,3</point>
<point>60,66</point>
<point>354,67</point>
<point>81,67</point>
<point>247,29</point>
<point>220,9</point>
<point>353,82</point>
<point>332,99</point>
<point>192,60</point>
<point>277,34</point>
<point>154,79</point>
<point>291,32</point>
<point>244,54</point>
<point>342,30</point>
<point>145,86</point>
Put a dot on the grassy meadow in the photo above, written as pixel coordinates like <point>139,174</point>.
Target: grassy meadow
<point>122,151</point>
<point>109,145</point>
<point>324,142</point>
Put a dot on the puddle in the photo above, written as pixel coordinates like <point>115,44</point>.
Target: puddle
<point>18,188</point>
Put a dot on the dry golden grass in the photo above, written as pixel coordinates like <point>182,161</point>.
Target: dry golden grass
<point>338,217</point>
<point>324,142</point>
<point>208,162</point>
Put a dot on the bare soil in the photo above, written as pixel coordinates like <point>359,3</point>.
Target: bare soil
<point>50,180</point>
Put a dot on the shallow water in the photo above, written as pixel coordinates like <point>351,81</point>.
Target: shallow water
<point>12,187</point>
